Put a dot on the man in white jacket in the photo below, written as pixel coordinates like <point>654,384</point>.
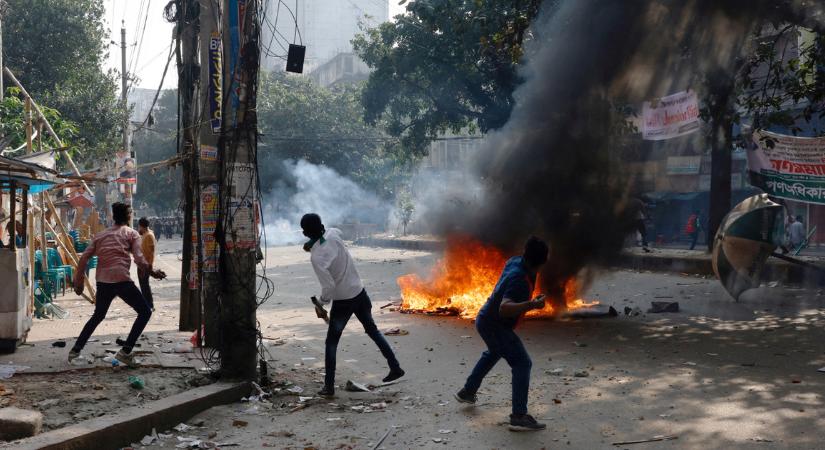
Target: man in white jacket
<point>341,285</point>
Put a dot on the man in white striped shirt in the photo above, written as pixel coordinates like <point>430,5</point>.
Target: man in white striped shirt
<point>341,285</point>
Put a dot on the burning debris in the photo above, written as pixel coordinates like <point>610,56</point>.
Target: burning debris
<point>460,283</point>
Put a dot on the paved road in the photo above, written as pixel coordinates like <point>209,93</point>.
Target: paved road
<point>718,374</point>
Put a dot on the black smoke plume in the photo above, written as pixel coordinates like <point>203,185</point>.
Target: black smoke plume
<point>555,169</point>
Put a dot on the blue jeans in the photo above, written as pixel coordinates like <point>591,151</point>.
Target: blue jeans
<point>339,315</point>
<point>502,342</point>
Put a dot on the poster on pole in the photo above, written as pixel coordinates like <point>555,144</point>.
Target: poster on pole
<point>209,222</point>
<point>215,82</point>
<point>242,223</point>
<point>671,116</point>
<point>125,171</point>
<point>788,166</point>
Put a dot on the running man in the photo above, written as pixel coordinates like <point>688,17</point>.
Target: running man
<point>112,248</point>
<point>495,323</point>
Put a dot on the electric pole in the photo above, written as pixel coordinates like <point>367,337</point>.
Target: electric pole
<point>208,174</point>
<point>124,76</point>
<point>188,74</point>
<point>237,233</point>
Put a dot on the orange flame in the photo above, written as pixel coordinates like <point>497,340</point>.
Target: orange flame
<point>463,279</point>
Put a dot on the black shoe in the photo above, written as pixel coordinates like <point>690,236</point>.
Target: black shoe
<point>327,392</point>
<point>394,375</point>
<point>525,422</point>
<point>647,250</point>
<point>466,397</point>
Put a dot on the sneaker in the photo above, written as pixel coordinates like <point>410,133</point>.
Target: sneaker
<point>394,375</point>
<point>647,250</point>
<point>525,422</point>
<point>464,396</point>
<point>327,392</point>
<point>127,359</point>
<point>72,355</point>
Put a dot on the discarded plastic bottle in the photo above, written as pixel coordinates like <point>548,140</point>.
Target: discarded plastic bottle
<point>136,382</point>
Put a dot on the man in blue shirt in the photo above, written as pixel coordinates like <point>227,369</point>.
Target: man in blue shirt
<point>495,323</point>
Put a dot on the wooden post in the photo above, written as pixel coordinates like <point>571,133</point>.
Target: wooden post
<point>13,215</point>
<point>74,262</point>
<point>70,251</point>
<point>24,216</point>
<point>44,262</point>
<point>28,115</point>
<point>30,234</point>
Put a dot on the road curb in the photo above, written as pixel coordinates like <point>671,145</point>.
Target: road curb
<point>404,244</point>
<point>121,428</point>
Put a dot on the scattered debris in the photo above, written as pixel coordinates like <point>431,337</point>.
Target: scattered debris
<point>381,441</point>
<point>653,439</point>
<point>556,372</point>
<point>355,387</point>
<point>579,344</point>
<point>821,369</point>
<point>439,440</point>
<point>295,389</point>
<point>581,374</point>
<point>239,423</point>
<point>760,439</point>
<point>8,370</point>
<point>304,399</point>
<point>182,428</point>
<point>149,439</point>
<point>136,382</point>
<point>288,434</point>
<point>597,310</point>
<point>59,344</point>
<point>396,332</point>
<point>446,431</point>
<point>663,307</point>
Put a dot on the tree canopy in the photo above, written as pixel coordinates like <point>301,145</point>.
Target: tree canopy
<point>446,65</point>
<point>56,48</point>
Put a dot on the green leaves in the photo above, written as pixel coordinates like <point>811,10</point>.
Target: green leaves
<point>56,49</point>
<point>446,65</point>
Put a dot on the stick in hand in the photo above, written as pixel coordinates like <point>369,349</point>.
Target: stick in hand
<point>319,309</point>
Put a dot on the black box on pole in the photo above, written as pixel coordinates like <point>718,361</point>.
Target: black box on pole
<point>295,58</point>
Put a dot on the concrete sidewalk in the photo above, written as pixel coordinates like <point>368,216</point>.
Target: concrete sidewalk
<point>671,260</point>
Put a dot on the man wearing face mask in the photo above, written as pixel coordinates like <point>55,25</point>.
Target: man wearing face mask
<point>341,285</point>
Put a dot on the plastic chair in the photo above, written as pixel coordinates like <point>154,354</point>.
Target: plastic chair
<point>56,263</point>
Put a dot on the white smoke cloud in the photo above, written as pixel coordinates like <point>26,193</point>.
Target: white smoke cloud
<point>316,188</point>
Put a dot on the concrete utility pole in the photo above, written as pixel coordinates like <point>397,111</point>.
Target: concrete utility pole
<point>188,74</point>
<point>237,232</point>
<point>124,76</point>
<point>208,173</point>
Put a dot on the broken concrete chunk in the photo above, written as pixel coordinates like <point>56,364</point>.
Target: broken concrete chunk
<point>16,423</point>
<point>663,307</point>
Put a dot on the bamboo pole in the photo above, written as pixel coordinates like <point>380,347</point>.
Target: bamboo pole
<point>30,243</point>
<point>45,122</point>
<point>29,130</point>
<point>44,262</point>
<point>70,251</point>
<point>74,263</point>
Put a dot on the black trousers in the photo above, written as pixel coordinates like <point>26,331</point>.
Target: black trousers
<point>106,292</point>
<point>145,289</point>
<point>341,311</point>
